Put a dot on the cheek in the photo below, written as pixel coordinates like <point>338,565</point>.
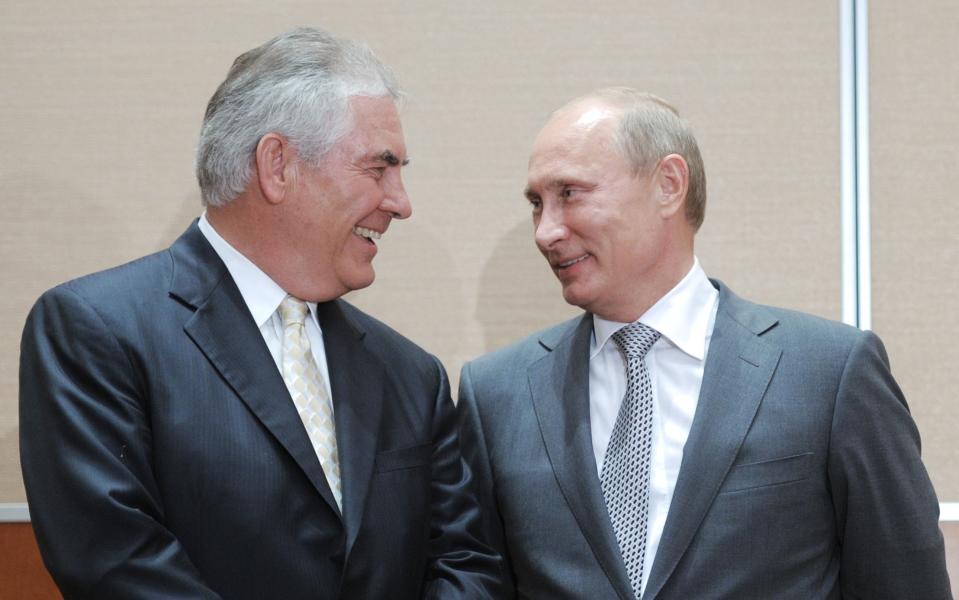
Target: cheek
<point>363,196</point>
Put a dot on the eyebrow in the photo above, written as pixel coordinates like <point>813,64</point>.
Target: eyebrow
<point>552,184</point>
<point>391,159</point>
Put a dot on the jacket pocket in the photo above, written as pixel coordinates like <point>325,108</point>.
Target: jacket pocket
<point>775,471</point>
<point>403,458</point>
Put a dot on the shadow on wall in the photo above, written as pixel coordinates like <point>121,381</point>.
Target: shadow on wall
<point>190,208</point>
<point>418,288</point>
<point>518,292</point>
<point>51,232</point>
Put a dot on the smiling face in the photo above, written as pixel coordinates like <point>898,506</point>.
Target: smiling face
<point>608,233</point>
<point>338,210</point>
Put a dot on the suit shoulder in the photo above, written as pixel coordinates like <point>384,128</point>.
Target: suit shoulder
<point>804,328</point>
<point>391,342</point>
<point>523,352</point>
<point>813,345</point>
<point>784,326</point>
<point>134,283</point>
<point>133,278</point>
<point>108,312</point>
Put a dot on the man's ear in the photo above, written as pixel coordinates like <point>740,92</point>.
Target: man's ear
<point>672,181</point>
<point>275,167</point>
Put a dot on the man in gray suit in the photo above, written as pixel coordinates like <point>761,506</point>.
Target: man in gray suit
<point>677,441</point>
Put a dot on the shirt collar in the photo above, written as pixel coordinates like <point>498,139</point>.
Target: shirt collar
<point>681,316</point>
<point>261,294</point>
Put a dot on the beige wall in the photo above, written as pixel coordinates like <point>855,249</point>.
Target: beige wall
<point>915,124</point>
<point>102,103</point>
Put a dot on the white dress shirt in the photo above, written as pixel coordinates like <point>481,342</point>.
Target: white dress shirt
<point>684,317</point>
<point>262,296</point>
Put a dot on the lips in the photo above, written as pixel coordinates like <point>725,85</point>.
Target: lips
<point>564,264</point>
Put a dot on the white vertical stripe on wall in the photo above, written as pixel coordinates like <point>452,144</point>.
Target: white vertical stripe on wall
<point>847,107</point>
<point>854,107</point>
<point>863,221</point>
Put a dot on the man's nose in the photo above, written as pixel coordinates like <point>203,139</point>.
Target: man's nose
<point>397,202</point>
<point>549,228</point>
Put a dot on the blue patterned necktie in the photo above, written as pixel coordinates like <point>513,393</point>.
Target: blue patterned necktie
<point>625,474</point>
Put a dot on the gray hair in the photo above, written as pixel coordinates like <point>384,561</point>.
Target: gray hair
<point>297,85</point>
<point>650,129</point>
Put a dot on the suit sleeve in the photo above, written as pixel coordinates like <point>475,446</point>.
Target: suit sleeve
<point>462,564</point>
<point>85,448</point>
<point>476,455</point>
<point>886,508</point>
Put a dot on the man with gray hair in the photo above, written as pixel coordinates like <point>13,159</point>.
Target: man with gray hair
<point>212,420</point>
<point>677,441</point>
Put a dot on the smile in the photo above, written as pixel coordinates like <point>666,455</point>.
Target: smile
<point>570,263</point>
<point>367,233</point>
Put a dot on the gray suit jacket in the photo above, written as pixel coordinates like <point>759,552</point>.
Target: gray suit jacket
<point>801,477</point>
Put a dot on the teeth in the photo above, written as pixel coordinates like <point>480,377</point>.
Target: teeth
<point>367,233</point>
<point>563,265</point>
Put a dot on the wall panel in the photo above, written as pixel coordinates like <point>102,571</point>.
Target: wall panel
<point>102,104</point>
<point>915,245</point>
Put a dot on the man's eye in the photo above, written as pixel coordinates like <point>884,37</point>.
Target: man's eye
<point>567,193</point>
<point>535,203</point>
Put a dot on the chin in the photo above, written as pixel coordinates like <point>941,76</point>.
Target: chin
<point>576,297</point>
<point>358,281</point>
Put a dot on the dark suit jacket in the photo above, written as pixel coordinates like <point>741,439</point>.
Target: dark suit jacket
<point>801,476</point>
<point>163,457</point>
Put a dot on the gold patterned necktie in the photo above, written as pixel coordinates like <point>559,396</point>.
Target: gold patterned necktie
<point>308,389</point>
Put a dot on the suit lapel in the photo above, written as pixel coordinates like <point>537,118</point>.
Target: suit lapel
<point>223,329</point>
<point>357,382</point>
<point>738,369</point>
<point>559,384</point>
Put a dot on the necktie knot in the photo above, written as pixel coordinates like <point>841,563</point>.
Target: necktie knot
<point>292,311</point>
<point>636,339</point>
